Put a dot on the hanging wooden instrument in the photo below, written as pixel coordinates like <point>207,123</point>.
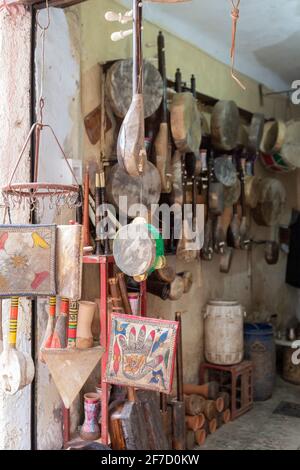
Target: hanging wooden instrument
<point>193,160</point>
<point>256,130</point>
<point>87,244</point>
<point>100,199</point>
<point>131,150</point>
<point>225,170</point>
<point>271,202</point>
<point>162,142</point>
<point>207,249</point>
<point>184,250</point>
<point>143,189</point>
<point>185,119</point>
<point>244,238</point>
<point>232,194</point>
<point>225,121</point>
<point>221,227</point>
<point>16,367</point>
<point>215,191</point>
<point>252,188</point>
<point>242,141</point>
<point>176,195</point>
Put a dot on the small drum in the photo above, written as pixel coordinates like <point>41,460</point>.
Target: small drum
<point>139,249</point>
<point>275,163</point>
<point>273,137</point>
<point>119,87</point>
<point>290,150</point>
<point>271,202</point>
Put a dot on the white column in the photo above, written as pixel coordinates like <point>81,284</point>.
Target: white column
<point>15,51</point>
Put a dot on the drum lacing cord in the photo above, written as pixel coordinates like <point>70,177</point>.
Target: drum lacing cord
<point>235,14</point>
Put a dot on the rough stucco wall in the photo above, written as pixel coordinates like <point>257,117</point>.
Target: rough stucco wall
<point>62,108</point>
<point>15,33</point>
<point>267,291</point>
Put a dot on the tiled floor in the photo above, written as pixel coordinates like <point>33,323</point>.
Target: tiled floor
<point>260,429</point>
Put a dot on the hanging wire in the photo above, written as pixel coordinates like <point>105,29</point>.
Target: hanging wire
<point>43,29</point>
<point>235,14</point>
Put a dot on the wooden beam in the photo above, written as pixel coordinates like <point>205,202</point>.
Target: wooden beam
<point>52,3</point>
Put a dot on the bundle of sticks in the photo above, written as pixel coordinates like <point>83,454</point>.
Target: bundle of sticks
<point>206,410</point>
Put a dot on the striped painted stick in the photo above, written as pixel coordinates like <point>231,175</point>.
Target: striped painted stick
<point>13,322</point>
<point>72,327</point>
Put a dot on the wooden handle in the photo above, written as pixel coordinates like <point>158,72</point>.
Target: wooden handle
<point>124,293</point>
<point>163,72</point>
<point>86,217</point>
<point>72,326</point>
<point>179,361</point>
<point>13,322</point>
<point>115,292</point>
<point>131,394</point>
<point>137,47</point>
<point>98,250</point>
<point>163,157</point>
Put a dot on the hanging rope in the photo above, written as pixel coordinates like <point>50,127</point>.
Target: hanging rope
<point>235,14</point>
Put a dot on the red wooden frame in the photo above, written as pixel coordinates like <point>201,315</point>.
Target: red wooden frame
<point>105,270</point>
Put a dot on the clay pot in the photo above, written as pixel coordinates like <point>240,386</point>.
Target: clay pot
<point>90,430</point>
<point>134,300</point>
<point>84,339</point>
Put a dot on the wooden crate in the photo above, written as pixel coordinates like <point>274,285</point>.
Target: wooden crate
<point>52,3</point>
<point>237,380</point>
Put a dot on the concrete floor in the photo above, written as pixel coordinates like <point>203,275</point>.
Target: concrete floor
<point>259,429</point>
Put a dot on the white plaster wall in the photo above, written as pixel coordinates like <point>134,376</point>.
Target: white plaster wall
<point>15,124</point>
<point>62,112</point>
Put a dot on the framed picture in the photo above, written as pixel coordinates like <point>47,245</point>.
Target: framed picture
<point>142,352</point>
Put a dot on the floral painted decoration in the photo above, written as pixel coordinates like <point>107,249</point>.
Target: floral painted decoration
<point>27,260</point>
